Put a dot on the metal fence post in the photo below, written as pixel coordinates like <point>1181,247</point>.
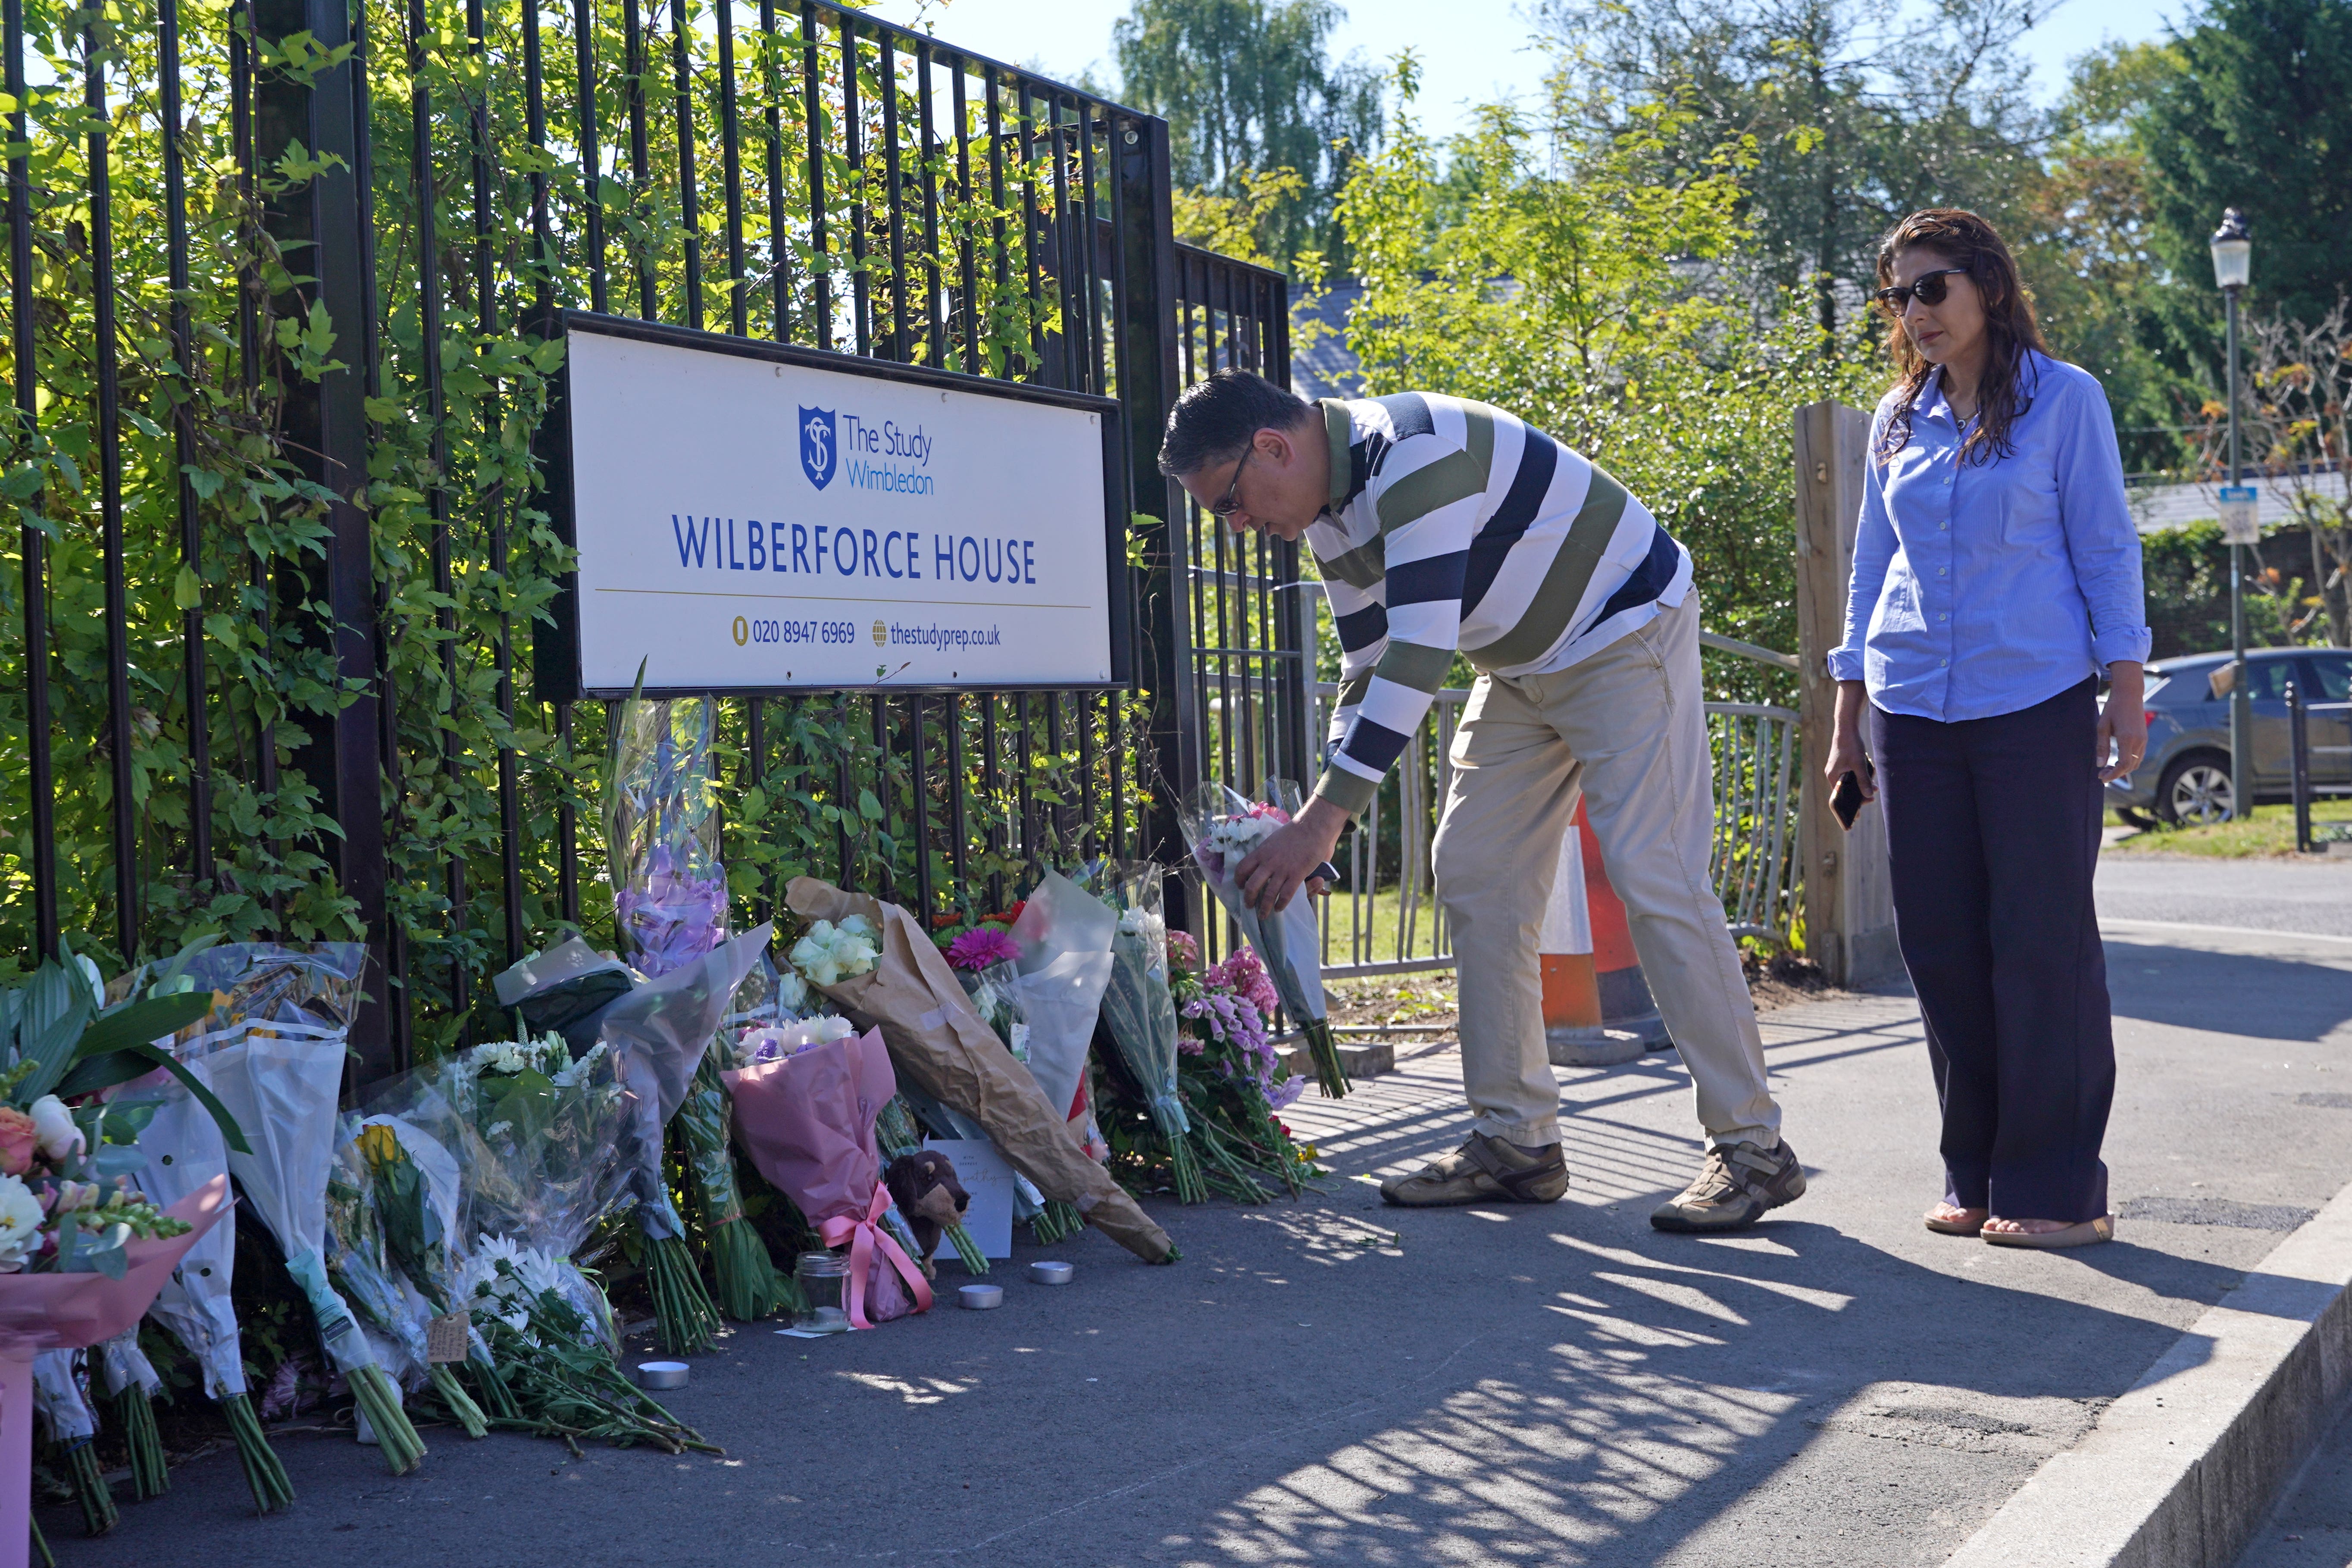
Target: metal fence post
<point>2298,722</point>
<point>1147,251</point>
<point>326,421</point>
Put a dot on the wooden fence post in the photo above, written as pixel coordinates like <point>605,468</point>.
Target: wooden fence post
<point>1849,900</point>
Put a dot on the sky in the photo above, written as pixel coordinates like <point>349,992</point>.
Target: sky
<point>1472,54</point>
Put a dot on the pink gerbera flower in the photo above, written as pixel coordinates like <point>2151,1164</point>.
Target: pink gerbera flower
<point>980,947</point>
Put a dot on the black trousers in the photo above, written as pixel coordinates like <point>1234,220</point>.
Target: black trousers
<point>1993,824</point>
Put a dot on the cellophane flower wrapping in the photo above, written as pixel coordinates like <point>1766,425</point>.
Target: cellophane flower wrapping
<point>656,1035</point>
<point>1064,936</point>
<point>184,1149</point>
<point>1138,1007</point>
<point>661,834</point>
<point>279,1071</point>
<point>274,1047</point>
<point>530,1127</point>
<point>362,1270</point>
<point>1221,826</point>
<point>808,1122</point>
<point>532,1132</point>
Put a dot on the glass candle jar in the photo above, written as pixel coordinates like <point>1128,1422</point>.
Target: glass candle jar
<point>821,1277</point>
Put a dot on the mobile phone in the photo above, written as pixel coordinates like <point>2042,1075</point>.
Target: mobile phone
<point>1847,801</point>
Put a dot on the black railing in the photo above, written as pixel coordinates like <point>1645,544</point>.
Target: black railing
<point>285,565</point>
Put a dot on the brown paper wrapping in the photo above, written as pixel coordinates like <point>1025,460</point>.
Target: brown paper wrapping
<point>940,1043</point>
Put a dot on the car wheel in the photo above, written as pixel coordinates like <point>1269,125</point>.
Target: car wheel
<point>2196,790</point>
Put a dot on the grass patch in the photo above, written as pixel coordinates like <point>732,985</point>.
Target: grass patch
<point>2269,832</point>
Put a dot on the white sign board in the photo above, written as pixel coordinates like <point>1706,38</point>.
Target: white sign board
<point>2240,523</point>
<point>749,523</point>
<point>989,1180</point>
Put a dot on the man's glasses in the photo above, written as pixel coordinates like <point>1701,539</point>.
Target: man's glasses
<point>1929,287</point>
<point>1232,501</point>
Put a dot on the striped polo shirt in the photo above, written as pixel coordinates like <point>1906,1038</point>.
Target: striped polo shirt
<point>1452,525</point>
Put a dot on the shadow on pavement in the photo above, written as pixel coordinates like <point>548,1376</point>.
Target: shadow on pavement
<point>2236,994</point>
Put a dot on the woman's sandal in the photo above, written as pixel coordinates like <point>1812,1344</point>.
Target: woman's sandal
<point>2088,1232</point>
<point>1957,1226</point>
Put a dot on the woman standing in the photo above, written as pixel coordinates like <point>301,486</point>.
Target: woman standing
<point>1996,575</point>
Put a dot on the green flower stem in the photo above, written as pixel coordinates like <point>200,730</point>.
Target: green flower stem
<point>745,1274</point>
<point>461,1404</point>
<point>263,1472</point>
<point>689,1323</point>
<point>1330,1078</point>
<point>491,1385</point>
<point>135,1414</point>
<point>98,1513</point>
<point>975,1261</point>
<point>403,1450</point>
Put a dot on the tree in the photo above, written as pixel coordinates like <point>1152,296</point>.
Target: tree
<point>1861,110</point>
<point>2259,118</point>
<point>1542,283</point>
<point>1248,89</point>
<point>2102,297</point>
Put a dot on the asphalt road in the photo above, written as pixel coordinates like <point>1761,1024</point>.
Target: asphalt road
<point>1330,1382</point>
<point>2312,895</point>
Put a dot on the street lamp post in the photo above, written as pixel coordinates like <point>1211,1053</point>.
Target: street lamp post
<point>2232,265</point>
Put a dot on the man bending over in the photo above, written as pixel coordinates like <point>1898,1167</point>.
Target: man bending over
<point>1443,525</point>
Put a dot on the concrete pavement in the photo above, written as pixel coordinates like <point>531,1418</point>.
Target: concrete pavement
<point>1557,1384</point>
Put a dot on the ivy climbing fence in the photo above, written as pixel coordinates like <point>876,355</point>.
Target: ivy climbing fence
<point>276,274</point>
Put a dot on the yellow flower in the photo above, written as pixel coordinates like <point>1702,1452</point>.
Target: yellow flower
<point>379,1146</point>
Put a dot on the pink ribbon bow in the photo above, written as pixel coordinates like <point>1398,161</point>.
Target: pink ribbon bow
<point>864,1236</point>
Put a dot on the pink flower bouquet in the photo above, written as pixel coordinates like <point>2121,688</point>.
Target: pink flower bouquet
<point>807,1122</point>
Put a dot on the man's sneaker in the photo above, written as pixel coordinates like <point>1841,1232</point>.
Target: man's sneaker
<point>1482,1171</point>
<point>1734,1188</point>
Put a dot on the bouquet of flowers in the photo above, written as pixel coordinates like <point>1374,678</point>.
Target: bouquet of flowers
<point>1140,1014</point>
<point>1235,1078</point>
<point>939,1045</point>
<point>285,1088</point>
<point>807,1120</point>
<point>531,1133</point>
<point>1223,827</point>
<point>1062,936</point>
<point>984,957</point>
<point>830,954</point>
<point>658,1035</point>
<point>661,834</point>
<point>529,1310</point>
<point>412,1191</point>
<point>183,1151</point>
<point>75,1269</point>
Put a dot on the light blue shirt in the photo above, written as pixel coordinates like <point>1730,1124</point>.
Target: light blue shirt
<point>1981,589</point>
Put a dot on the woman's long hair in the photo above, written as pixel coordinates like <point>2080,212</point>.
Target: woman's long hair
<point>1964,239</point>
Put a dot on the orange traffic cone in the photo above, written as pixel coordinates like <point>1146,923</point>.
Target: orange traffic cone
<point>1597,1007</point>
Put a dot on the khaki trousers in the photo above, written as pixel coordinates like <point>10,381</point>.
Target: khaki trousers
<point>1627,728</point>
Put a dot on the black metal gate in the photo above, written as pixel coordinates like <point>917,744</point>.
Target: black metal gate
<point>273,268</point>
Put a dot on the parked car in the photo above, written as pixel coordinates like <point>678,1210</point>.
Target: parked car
<point>2186,775</point>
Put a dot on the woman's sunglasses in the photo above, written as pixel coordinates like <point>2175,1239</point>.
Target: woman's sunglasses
<point>1929,287</point>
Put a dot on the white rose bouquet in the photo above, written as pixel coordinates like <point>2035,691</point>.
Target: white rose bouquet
<point>831,954</point>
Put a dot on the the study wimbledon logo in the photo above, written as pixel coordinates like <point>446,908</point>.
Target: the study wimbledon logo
<point>817,446</point>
